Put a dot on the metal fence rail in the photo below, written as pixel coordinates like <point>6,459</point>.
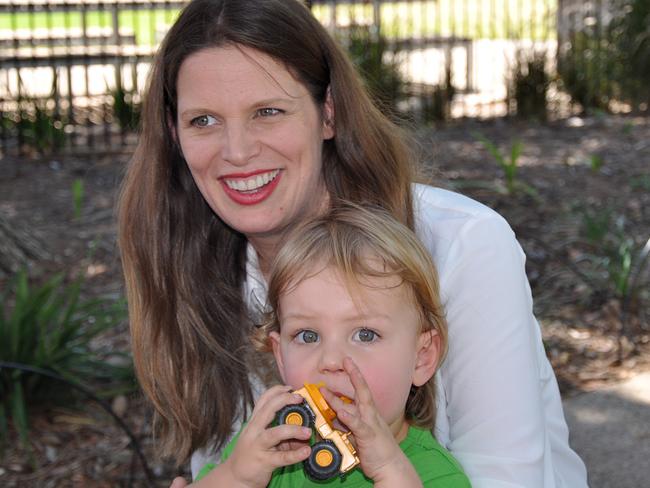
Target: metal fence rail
<point>72,71</point>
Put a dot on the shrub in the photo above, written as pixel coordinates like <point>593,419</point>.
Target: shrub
<point>37,122</point>
<point>607,62</point>
<point>126,109</point>
<point>50,327</point>
<point>38,126</point>
<point>616,266</point>
<point>436,104</point>
<point>586,70</point>
<point>630,33</point>
<point>528,85</point>
<point>381,74</point>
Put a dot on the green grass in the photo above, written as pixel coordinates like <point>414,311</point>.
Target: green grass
<point>475,19</point>
<point>142,23</point>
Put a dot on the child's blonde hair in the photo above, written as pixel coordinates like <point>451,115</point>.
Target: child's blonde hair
<point>363,241</point>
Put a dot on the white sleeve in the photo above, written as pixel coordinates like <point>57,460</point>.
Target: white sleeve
<point>494,406</point>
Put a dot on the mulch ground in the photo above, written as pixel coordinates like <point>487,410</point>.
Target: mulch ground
<point>568,169</point>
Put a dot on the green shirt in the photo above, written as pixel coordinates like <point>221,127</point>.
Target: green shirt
<point>433,463</point>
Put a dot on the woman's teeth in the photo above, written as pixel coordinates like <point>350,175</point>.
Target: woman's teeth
<point>253,183</point>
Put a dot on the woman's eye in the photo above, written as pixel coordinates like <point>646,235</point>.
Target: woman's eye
<point>268,112</point>
<point>203,121</point>
<point>307,336</point>
<point>366,335</point>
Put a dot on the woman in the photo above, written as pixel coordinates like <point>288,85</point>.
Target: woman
<point>254,119</point>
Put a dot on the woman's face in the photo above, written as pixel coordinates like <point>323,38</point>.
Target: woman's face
<point>252,137</point>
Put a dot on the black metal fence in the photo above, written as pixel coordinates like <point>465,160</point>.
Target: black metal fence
<point>72,71</point>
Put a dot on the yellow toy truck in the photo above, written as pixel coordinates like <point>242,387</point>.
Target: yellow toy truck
<point>334,453</point>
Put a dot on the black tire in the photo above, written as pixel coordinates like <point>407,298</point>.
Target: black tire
<point>299,414</point>
<point>324,462</point>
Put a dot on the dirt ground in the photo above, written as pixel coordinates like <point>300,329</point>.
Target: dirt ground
<point>567,168</point>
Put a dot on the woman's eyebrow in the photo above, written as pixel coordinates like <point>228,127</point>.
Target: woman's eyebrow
<point>271,101</point>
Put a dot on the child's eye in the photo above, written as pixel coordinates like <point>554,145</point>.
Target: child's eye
<point>366,335</point>
<point>269,112</point>
<point>307,336</point>
<point>203,121</point>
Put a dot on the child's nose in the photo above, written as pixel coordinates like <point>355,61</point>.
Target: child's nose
<point>331,358</point>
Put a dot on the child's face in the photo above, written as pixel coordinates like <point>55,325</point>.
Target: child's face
<point>378,326</point>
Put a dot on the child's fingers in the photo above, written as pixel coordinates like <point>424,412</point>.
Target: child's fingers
<point>359,427</point>
<point>350,415</point>
<point>363,396</point>
<point>288,457</point>
<point>336,403</point>
<point>270,402</point>
<point>274,436</point>
<point>292,444</point>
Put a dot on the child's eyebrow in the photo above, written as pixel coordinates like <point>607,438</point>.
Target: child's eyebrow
<point>297,316</point>
<point>350,318</point>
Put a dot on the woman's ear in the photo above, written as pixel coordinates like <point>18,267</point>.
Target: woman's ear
<point>328,116</point>
<point>274,338</point>
<point>427,357</point>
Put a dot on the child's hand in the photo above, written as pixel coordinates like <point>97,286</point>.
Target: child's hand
<point>260,449</point>
<point>380,455</point>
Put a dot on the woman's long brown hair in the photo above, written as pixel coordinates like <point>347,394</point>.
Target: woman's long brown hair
<point>184,268</point>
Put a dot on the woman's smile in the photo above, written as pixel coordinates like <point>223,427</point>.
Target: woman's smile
<point>251,188</point>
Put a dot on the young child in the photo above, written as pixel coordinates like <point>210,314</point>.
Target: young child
<point>354,304</point>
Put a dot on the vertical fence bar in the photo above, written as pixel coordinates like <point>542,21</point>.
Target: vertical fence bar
<point>19,89</point>
<point>86,42</point>
<point>601,86</point>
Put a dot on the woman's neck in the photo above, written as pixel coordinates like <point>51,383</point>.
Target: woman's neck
<point>266,250</point>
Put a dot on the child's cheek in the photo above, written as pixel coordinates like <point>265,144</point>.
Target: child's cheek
<point>389,391</point>
<point>297,367</point>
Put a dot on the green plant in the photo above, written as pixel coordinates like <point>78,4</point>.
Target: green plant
<point>77,196</point>
<point>596,162</point>
<point>615,254</point>
<point>52,328</point>
<point>587,68</point>
<point>640,182</point>
<point>610,59</point>
<point>630,34</point>
<point>628,128</point>
<point>126,109</point>
<point>528,85</point>
<point>507,164</point>
<point>617,261</point>
<point>36,122</point>
<point>38,126</point>
<point>379,70</point>
<point>437,102</point>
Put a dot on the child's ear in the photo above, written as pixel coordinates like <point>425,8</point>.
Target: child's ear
<point>274,338</point>
<point>427,356</point>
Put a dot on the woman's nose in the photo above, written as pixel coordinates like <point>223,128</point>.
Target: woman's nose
<point>239,145</point>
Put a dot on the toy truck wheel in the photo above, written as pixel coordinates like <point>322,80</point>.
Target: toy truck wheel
<point>296,415</point>
<point>324,461</point>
